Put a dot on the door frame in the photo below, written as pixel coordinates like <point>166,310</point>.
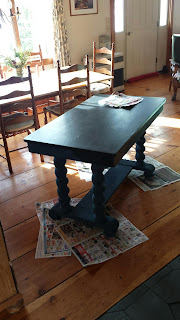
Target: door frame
<point>169,26</point>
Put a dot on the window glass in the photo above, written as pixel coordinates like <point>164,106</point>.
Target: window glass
<point>119,15</point>
<point>36,26</point>
<point>163,12</point>
<point>7,40</point>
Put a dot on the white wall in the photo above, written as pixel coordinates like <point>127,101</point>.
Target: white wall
<point>84,29</point>
<point>176,18</point>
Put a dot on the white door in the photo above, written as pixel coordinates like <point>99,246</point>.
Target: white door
<point>141,37</point>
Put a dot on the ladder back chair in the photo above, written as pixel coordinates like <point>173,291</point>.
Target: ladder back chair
<point>36,59</point>
<point>103,62</point>
<point>36,62</point>
<point>17,121</point>
<point>71,87</point>
<point>174,66</point>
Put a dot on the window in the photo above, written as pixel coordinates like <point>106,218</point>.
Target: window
<point>119,15</point>
<point>35,25</point>
<point>7,41</point>
<point>163,12</point>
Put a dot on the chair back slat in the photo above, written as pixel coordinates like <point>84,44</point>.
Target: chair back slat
<point>75,93</point>
<point>104,50</point>
<point>77,85</point>
<point>14,80</point>
<point>104,71</point>
<point>73,81</point>
<point>109,61</point>
<point>15,94</point>
<point>74,67</point>
<point>36,58</point>
<point>16,106</point>
<point>35,54</point>
<point>103,61</point>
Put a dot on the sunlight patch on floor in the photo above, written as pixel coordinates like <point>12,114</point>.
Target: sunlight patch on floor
<point>150,145</point>
<point>168,122</point>
<point>71,170</point>
<point>156,141</point>
<point>47,165</point>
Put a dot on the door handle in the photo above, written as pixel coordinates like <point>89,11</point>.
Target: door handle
<point>129,33</point>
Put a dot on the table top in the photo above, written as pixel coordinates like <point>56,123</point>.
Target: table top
<point>45,84</point>
<point>94,133</point>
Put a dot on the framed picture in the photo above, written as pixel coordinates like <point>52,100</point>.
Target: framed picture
<point>78,7</point>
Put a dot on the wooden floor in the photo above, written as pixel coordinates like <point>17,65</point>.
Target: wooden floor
<point>60,288</point>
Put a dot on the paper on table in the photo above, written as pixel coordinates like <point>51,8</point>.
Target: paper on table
<point>120,100</point>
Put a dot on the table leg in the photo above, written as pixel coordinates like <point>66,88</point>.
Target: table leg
<point>63,206</point>
<point>140,164</point>
<point>109,223</point>
<point>94,212</point>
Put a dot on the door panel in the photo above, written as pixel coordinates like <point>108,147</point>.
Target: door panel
<point>141,37</point>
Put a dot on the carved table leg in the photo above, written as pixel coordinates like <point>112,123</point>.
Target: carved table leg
<point>140,164</point>
<point>109,224</point>
<point>93,214</point>
<point>63,205</point>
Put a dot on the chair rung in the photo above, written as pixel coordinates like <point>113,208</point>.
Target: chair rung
<point>17,149</point>
<point>3,157</point>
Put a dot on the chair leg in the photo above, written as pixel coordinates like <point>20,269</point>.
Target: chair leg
<point>5,144</point>
<point>49,112</point>
<point>170,83</point>
<point>45,116</point>
<point>42,158</point>
<point>7,155</point>
<point>175,88</point>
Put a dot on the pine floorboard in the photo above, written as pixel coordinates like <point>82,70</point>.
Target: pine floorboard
<point>60,288</point>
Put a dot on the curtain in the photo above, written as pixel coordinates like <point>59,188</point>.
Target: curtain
<point>62,52</point>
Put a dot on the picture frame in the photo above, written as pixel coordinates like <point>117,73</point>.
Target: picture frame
<point>78,7</point>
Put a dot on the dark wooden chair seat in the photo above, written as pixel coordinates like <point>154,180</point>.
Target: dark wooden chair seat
<point>17,122</point>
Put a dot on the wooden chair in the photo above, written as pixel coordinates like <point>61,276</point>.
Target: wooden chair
<point>17,122</point>
<point>36,59</point>
<point>174,66</point>
<point>70,90</point>
<point>103,62</point>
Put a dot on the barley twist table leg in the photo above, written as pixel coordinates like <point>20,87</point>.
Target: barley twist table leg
<point>109,223</point>
<point>63,205</point>
<point>140,164</point>
<point>98,192</point>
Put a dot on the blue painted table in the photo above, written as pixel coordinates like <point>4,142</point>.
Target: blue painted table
<point>99,135</point>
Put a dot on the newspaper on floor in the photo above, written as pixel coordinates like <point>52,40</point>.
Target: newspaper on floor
<point>84,170</point>
<point>163,176</point>
<point>89,244</point>
<point>120,100</point>
<point>50,244</point>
